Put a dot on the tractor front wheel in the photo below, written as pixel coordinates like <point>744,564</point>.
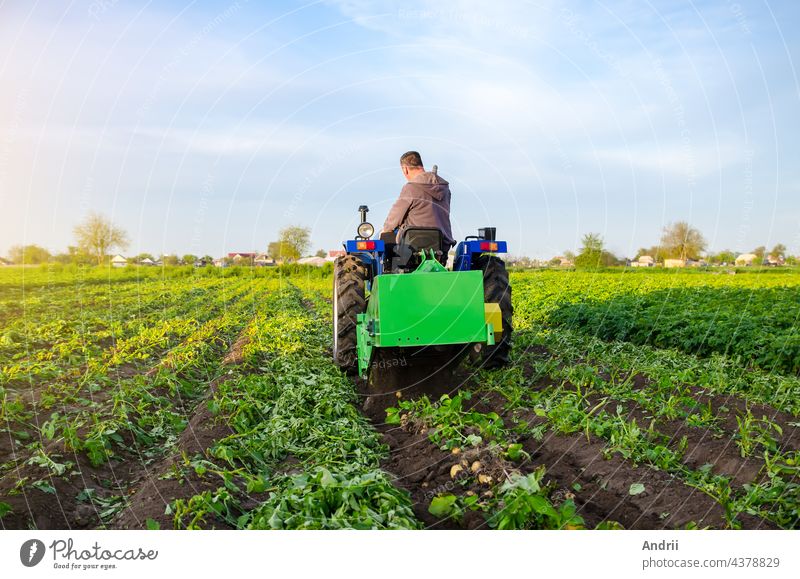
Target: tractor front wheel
<point>497,290</point>
<point>349,281</point>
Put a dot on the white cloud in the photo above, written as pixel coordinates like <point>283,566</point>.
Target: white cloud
<point>681,159</point>
<point>246,141</point>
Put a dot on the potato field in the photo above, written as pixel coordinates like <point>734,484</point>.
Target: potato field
<point>208,398</point>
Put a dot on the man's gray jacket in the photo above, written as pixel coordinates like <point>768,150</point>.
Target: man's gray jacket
<point>424,202</point>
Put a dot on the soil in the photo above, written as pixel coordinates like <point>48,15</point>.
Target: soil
<point>704,446</point>
<point>148,484</point>
<point>63,509</point>
<point>577,467</point>
<point>572,462</point>
<point>160,485</point>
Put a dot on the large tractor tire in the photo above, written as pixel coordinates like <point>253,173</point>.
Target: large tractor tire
<point>349,281</point>
<point>496,289</point>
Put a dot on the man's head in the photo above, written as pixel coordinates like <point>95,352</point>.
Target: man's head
<point>411,165</point>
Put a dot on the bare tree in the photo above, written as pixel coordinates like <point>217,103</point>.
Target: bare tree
<point>682,241</point>
<point>97,236</point>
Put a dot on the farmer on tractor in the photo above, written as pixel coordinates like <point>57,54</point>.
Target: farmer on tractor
<point>424,202</point>
<point>398,295</point>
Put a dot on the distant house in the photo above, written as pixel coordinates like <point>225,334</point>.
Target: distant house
<point>147,261</point>
<point>775,260</point>
<point>643,261</point>
<point>263,260</point>
<point>562,261</point>
<point>242,256</point>
<point>118,261</point>
<point>746,259</point>
<point>220,262</point>
<point>674,263</point>
<point>315,261</point>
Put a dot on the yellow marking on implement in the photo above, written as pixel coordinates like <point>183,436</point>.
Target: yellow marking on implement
<point>494,316</point>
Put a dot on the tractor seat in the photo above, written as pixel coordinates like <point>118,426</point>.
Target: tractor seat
<point>404,256</point>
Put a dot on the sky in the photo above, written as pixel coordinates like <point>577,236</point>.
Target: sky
<point>205,127</point>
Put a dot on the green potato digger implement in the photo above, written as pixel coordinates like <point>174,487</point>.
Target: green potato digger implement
<point>400,300</point>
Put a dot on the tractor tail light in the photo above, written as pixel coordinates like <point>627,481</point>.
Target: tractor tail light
<point>365,245</point>
<point>488,246</point>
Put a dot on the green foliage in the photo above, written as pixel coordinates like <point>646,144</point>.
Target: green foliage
<point>321,499</point>
<point>451,425</point>
<point>292,243</point>
<point>28,254</point>
<point>443,506</point>
<point>681,241</point>
<point>591,252</point>
<point>748,318</point>
<point>636,489</point>
<point>605,371</point>
<point>524,506</point>
<point>5,509</point>
<point>118,358</point>
<point>291,403</point>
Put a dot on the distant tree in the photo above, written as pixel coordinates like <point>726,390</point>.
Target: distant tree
<point>169,259</point>
<point>292,243</point>
<point>274,250</point>
<point>97,236</point>
<point>28,254</point>
<point>570,255</point>
<point>608,259</point>
<point>245,260</point>
<point>63,258</point>
<point>656,252</point>
<point>778,251</point>
<point>591,252</point>
<point>682,241</point>
<point>74,255</point>
<point>321,253</point>
<point>142,256</point>
<point>724,256</point>
<point>207,259</point>
<point>792,260</point>
<point>189,259</point>
<point>759,252</point>
<point>520,261</point>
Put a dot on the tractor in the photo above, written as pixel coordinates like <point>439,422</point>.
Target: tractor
<point>395,299</point>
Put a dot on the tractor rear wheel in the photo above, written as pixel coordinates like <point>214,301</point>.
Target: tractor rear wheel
<point>496,289</point>
<point>349,281</point>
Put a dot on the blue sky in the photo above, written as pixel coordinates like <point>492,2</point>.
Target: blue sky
<point>205,127</point>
